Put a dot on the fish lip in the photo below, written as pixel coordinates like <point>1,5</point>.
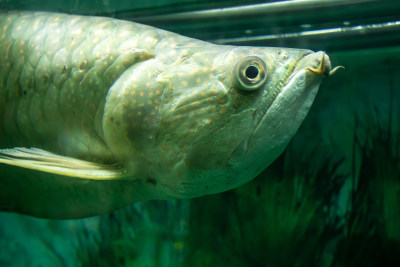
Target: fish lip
<point>322,68</point>
<point>301,65</point>
<point>317,63</point>
<point>294,71</point>
<point>276,93</point>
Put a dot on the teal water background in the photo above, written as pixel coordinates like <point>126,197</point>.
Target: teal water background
<point>333,197</point>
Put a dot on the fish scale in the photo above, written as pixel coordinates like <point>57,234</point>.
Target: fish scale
<point>64,77</point>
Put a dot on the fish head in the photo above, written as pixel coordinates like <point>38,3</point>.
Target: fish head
<point>235,116</point>
<point>220,114</point>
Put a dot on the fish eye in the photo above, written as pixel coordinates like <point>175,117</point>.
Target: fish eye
<point>249,74</point>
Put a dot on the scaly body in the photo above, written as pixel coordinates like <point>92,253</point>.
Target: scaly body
<point>117,112</point>
<point>56,71</point>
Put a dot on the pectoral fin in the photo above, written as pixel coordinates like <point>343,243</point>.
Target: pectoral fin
<point>41,160</point>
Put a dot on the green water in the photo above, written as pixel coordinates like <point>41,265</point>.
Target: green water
<point>332,199</point>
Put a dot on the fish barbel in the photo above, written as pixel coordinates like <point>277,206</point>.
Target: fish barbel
<point>97,113</point>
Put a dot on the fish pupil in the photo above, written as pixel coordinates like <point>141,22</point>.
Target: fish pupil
<point>251,72</point>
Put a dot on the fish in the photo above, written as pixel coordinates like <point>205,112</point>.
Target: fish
<point>97,113</point>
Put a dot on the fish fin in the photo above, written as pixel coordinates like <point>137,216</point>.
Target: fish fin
<point>41,160</point>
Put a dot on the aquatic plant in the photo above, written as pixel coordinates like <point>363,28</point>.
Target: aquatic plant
<point>283,218</point>
<point>311,208</point>
<point>143,234</point>
<point>372,231</point>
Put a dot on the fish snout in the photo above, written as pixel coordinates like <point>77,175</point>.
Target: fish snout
<point>320,64</point>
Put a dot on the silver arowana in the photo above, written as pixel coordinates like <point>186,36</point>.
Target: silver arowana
<point>97,113</point>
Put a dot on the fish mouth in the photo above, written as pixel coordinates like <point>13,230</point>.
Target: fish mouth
<point>305,71</point>
<point>317,64</point>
